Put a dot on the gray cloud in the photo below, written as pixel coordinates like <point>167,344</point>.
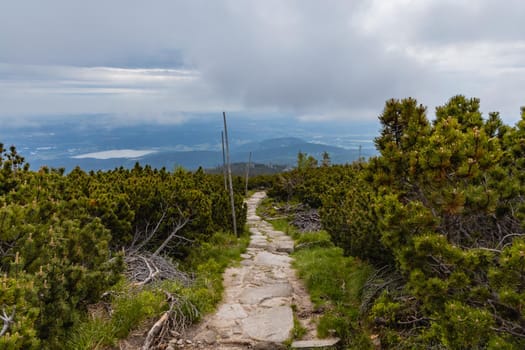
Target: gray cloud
<point>313,59</point>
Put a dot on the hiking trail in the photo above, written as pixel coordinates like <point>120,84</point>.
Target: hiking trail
<point>261,297</point>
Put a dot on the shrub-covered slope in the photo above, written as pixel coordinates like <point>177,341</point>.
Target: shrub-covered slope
<point>439,213</point>
<point>63,237</point>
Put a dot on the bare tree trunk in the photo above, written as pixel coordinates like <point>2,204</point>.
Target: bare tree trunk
<point>232,200</point>
<point>224,164</point>
<point>248,173</point>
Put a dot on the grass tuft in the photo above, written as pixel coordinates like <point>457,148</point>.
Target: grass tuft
<point>335,283</point>
<point>130,308</point>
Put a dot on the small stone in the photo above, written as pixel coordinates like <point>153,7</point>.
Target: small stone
<point>209,337</point>
<point>315,343</point>
<point>188,341</point>
<point>180,342</point>
<point>268,346</point>
<point>376,341</point>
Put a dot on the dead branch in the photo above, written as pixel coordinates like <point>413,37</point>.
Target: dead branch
<point>143,268</point>
<point>383,278</point>
<point>307,220</point>
<point>7,320</point>
<point>181,314</point>
<point>414,320</point>
<point>146,235</point>
<point>509,327</point>
<point>152,271</point>
<point>508,236</point>
<point>182,222</point>
<point>154,331</point>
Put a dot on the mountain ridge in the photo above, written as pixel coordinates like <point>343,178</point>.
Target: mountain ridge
<point>280,151</point>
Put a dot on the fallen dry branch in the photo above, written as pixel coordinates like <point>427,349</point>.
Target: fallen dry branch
<point>7,319</point>
<point>155,331</point>
<point>180,315</point>
<point>307,220</point>
<point>144,235</point>
<point>383,278</point>
<point>304,218</point>
<point>144,268</point>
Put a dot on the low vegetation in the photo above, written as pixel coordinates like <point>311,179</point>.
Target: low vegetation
<point>439,215</point>
<point>422,246</point>
<point>66,242</point>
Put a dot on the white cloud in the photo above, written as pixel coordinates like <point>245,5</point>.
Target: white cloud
<point>42,89</point>
<point>309,58</point>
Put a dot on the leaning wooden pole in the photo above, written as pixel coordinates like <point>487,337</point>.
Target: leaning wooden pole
<point>225,175</point>
<point>248,173</point>
<point>229,173</point>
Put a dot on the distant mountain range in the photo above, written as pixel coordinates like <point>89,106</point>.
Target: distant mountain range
<point>88,142</point>
<point>279,151</point>
<point>284,151</point>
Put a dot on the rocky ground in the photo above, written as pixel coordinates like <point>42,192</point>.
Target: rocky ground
<point>261,298</point>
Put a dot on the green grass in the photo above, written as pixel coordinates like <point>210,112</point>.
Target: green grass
<point>282,225</point>
<point>132,307</point>
<point>298,331</point>
<point>335,283</point>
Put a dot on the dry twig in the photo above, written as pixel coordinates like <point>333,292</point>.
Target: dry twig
<point>7,319</point>
<point>180,315</point>
<point>144,268</point>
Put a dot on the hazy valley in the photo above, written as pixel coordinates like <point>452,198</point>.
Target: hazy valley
<point>93,144</point>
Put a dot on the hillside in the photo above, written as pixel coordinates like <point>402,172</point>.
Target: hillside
<point>93,142</point>
<point>278,151</point>
<point>239,169</point>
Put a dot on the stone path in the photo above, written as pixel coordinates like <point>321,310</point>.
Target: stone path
<point>256,311</point>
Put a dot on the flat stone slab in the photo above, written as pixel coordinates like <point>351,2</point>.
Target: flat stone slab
<point>258,238</point>
<point>270,259</point>
<point>284,245</point>
<point>257,295</point>
<point>315,343</point>
<point>272,325</point>
<point>258,242</point>
<point>231,312</point>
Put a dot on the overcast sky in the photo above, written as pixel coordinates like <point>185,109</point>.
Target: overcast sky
<point>163,60</point>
